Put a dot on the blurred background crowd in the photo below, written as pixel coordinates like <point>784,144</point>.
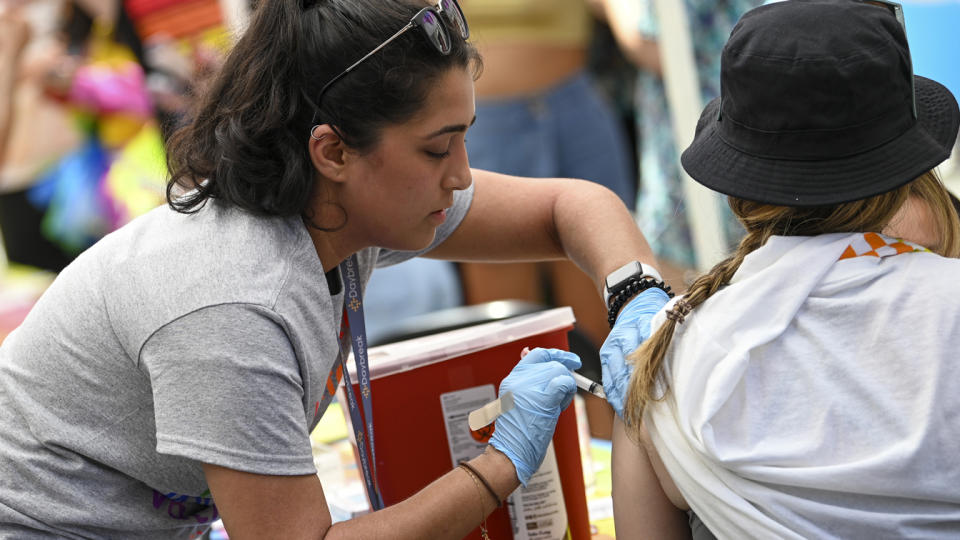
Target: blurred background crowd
<point>91,89</point>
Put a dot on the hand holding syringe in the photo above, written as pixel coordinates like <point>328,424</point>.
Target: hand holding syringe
<point>487,414</point>
<point>583,383</point>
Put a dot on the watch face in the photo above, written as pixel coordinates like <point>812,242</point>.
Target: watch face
<point>622,273</point>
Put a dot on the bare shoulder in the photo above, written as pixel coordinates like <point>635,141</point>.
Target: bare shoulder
<point>666,482</point>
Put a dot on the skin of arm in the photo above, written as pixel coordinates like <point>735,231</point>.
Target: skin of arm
<point>622,16</point>
<point>255,506</point>
<point>14,34</point>
<point>641,506</point>
<point>529,219</point>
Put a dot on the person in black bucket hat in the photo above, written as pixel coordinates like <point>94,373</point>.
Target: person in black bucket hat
<point>806,120</point>
<point>802,388</point>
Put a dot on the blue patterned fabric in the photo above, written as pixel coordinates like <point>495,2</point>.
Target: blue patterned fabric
<point>661,212</point>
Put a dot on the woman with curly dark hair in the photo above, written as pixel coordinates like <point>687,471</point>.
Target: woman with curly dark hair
<point>184,359</point>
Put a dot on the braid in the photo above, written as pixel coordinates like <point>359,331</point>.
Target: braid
<point>648,359</point>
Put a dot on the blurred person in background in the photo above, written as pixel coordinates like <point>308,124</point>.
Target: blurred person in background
<point>540,114</point>
<point>83,154</point>
<point>35,131</point>
<point>14,36</point>
<point>661,211</point>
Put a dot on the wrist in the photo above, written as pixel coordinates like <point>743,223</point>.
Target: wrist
<point>499,470</point>
<point>631,291</point>
<point>492,451</point>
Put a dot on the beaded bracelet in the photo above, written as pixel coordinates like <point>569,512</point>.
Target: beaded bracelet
<point>634,287</point>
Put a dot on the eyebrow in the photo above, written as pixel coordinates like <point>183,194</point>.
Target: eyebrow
<point>454,128</point>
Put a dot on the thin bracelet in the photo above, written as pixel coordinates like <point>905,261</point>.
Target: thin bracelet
<point>484,480</point>
<point>483,509</point>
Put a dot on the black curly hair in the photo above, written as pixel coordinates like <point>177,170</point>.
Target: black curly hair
<point>247,142</point>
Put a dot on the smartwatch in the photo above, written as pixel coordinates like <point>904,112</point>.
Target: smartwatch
<point>618,279</point>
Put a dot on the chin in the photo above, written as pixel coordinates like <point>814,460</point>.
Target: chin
<point>411,243</point>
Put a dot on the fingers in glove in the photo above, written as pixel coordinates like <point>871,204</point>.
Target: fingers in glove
<point>567,386</point>
<point>567,358</point>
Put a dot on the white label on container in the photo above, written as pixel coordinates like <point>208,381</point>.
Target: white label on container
<point>537,511</point>
<point>463,443</point>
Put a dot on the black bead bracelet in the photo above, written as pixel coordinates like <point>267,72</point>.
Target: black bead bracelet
<point>634,287</point>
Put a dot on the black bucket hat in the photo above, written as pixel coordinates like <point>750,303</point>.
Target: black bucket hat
<point>817,108</point>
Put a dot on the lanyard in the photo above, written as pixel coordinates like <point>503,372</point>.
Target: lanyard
<point>356,329</point>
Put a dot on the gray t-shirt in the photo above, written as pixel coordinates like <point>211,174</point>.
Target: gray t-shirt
<point>174,341</point>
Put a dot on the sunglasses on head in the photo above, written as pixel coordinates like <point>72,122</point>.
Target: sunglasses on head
<point>428,20</point>
<point>897,11</point>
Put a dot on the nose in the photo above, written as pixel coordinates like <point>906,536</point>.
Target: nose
<point>458,177</point>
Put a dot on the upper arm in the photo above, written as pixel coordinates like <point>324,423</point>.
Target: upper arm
<point>634,27</point>
<point>227,389</point>
<point>228,394</point>
<point>641,506</point>
<point>261,506</point>
<point>512,218</point>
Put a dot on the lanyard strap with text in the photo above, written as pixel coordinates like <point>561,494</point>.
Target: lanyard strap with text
<point>356,329</point>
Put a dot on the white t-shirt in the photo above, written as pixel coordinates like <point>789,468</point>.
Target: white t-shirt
<point>815,396</point>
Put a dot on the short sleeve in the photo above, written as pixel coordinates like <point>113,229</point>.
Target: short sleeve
<point>461,203</point>
<point>227,390</point>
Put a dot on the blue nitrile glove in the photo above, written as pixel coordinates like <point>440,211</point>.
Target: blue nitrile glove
<point>542,388</point>
<point>631,329</point>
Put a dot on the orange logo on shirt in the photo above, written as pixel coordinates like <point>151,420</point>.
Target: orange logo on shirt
<point>875,245</point>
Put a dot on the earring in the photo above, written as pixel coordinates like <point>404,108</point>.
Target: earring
<point>314,137</point>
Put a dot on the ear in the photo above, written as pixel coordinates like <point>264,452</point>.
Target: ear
<point>328,152</point>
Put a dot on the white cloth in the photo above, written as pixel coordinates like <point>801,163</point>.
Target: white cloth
<point>815,397</point>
